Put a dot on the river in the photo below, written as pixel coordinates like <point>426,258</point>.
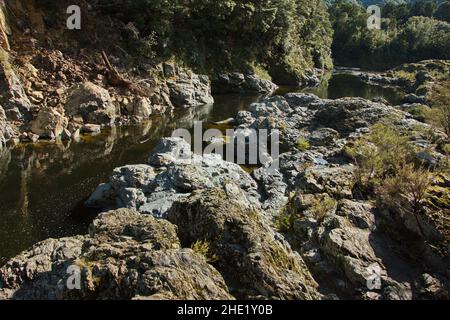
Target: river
<point>43,186</point>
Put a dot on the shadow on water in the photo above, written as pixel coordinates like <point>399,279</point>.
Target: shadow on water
<point>43,187</point>
<point>347,85</point>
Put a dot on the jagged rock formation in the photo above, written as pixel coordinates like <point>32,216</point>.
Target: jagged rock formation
<point>145,261</point>
<point>188,89</point>
<point>242,83</point>
<point>54,90</point>
<point>249,253</point>
<point>173,173</point>
<point>341,238</point>
<point>341,242</point>
<point>304,231</point>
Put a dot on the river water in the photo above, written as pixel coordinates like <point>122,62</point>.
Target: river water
<point>43,186</point>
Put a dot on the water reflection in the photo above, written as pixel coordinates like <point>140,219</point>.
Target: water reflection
<point>335,86</point>
<point>42,187</point>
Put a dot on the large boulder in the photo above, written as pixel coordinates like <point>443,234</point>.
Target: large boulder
<point>248,254</point>
<point>174,172</point>
<point>141,108</point>
<point>14,99</point>
<point>350,250</point>
<point>92,103</point>
<point>336,181</point>
<point>241,83</point>
<point>348,114</point>
<point>125,256</point>
<point>49,123</point>
<point>188,89</point>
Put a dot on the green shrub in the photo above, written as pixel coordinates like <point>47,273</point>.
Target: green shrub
<point>303,144</point>
<point>404,75</point>
<point>321,207</point>
<point>204,248</point>
<point>284,222</point>
<point>406,190</point>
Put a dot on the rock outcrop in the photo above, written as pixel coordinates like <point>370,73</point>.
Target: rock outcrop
<point>173,172</point>
<point>49,124</point>
<point>249,254</point>
<point>242,83</point>
<point>342,240</point>
<point>303,231</point>
<point>55,77</point>
<point>125,256</point>
<point>15,102</point>
<point>92,103</point>
<point>187,89</point>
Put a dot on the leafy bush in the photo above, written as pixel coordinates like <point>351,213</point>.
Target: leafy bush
<point>380,155</point>
<point>439,114</point>
<point>404,75</point>
<point>320,207</point>
<point>303,144</point>
<point>203,248</point>
<point>406,190</point>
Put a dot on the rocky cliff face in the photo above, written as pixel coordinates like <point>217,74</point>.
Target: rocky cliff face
<point>53,84</point>
<point>55,81</point>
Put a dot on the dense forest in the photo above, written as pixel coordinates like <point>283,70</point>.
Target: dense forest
<point>410,32</point>
<point>284,36</point>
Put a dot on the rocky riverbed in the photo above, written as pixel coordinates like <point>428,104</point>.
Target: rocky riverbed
<point>302,232</point>
<point>358,207</point>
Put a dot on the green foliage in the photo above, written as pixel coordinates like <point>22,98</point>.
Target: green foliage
<point>404,75</point>
<point>439,114</point>
<point>320,207</point>
<point>303,144</point>
<point>380,155</point>
<point>409,33</point>
<point>204,248</point>
<point>261,72</point>
<point>284,222</point>
<point>228,35</point>
<point>406,190</point>
<point>387,170</point>
<point>446,148</point>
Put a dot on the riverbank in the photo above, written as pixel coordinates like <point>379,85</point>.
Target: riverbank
<point>57,85</point>
<point>305,214</point>
<point>30,216</point>
<point>356,206</point>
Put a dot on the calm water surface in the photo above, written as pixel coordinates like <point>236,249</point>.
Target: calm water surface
<point>43,187</point>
